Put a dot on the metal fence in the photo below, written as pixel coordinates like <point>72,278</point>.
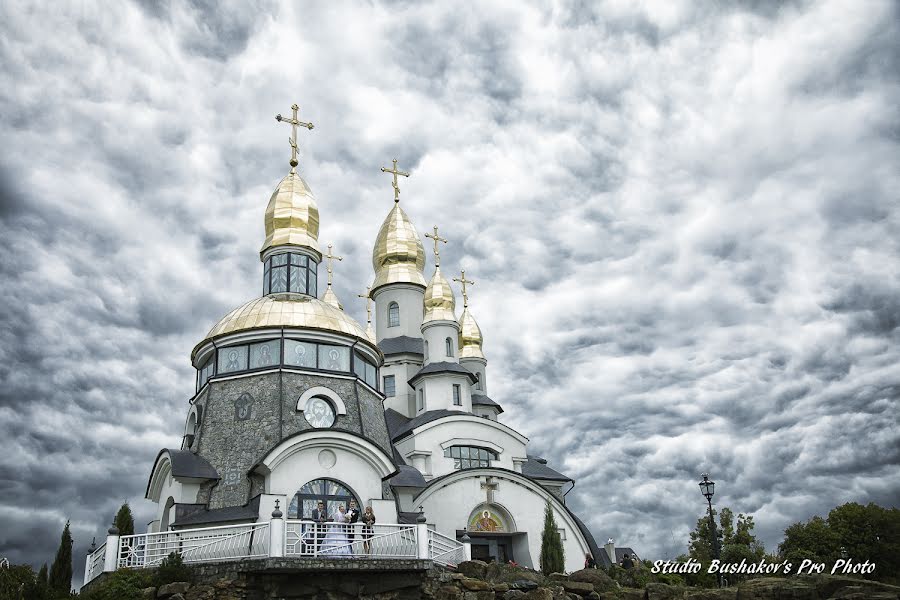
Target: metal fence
<point>307,538</point>
<point>195,545</point>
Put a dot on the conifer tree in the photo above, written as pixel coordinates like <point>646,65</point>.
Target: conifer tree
<point>553,558</point>
<point>42,575</point>
<point>60,579</point>
<point>124,520</point>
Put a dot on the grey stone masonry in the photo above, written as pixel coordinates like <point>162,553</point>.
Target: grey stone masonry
<point>245,417</point>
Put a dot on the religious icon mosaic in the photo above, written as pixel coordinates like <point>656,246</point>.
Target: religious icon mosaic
<point>488,521</point>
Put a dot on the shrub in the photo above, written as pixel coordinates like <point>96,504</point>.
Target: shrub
<point>172,569</point>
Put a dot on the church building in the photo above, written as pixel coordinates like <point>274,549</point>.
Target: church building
<point>296,402</point>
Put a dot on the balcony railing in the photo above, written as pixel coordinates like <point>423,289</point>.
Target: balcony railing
<point>276,538</point>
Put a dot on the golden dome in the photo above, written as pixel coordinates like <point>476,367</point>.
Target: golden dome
<point>470,339</point>
<point>329,297</point>
<point>292,216</point>
<point>398,255</point>
<point>285,310</point>
<point>440,303</point>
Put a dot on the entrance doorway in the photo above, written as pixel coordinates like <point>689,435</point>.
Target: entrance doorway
<point>495,548</point>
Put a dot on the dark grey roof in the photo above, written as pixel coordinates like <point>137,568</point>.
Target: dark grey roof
<point>425,417</point>
<point>187,464</point>
<point>482,400</point>
<point>395,421</point>
<point>442,367</point>
<point>408,477</point>
<point>407,518</point>
<point>248,512</point>
<point>536,468</point>
<point>402,344</point>
<point>599,554</point>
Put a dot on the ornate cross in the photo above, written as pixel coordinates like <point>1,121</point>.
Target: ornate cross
<point>293,122</point>
<point>330,257</point>
<point>437,238</point>
<point>368,304</point>
<point>462,279</point>
<point>490,486</point>
<point>396,172</point>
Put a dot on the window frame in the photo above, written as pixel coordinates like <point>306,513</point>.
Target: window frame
<point>393,387</point>
<point>457,394</point>
<point>393,319</point>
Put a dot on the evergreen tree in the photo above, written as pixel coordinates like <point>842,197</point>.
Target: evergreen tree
<point>60,578</point>
<point>553,558</point>
<point>124,520</point>
<point>42,575</point>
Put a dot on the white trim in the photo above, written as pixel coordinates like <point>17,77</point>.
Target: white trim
<point>312,253</point>
<point>472,442</point>
<point>470,419</point>
<point>399,285</point>
<point>331,439</point>
<point>162,470</point>
<point>440,323</point>
<point>329,393</point>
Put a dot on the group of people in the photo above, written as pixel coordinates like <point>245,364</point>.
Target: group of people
<point>590,563</point>
<point>335,534</point>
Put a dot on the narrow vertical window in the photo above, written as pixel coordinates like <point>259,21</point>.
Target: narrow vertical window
<point>477,381</point>
<point>449,344</point>
<point>420,402</point>
<point>457,397</point>
<point>390,388</point>
<point>393,315</point>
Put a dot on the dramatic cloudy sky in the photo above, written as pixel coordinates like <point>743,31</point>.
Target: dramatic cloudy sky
<point>682,219</point>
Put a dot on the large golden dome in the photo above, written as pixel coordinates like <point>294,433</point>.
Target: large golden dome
<point>470,340</point>
<point>285,310</point>
<point>292,216</point>
<point>398,255</point>
<point>440,304</point>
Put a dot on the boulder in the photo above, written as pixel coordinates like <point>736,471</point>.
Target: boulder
<point>447,592</point>
<point>501,588</point>
<point>148,593</point>
<point>661,591</point>
<point>176,597</point>
<point>833,586</point>
<point>475,585</point>
<point>600,580</point>
<point>170,589</point>
<point>476,569</point>
<point>581,588</point>
<point>514,595</point>
<point>558,577</point>
<point>523,584</point>
<point>538,594</point>
<point>593,596</point>
<point>709,594</point>
<point>777,588</point>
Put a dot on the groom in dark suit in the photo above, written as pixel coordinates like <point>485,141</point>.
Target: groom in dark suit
<point>320,516</point>
<point>353,517</point>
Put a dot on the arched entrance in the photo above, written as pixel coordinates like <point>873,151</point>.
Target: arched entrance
<point>331,491</point>
<point>492,531</point>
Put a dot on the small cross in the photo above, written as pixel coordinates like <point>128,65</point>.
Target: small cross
<point>436,238</point>
<point>368,304</point>
<point>462,279</point>
<point>330,257</point>
<point>490,486</point>
<point>293,122</point>
<point>396,172</point>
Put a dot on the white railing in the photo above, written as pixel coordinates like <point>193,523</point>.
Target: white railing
<point>445,550</point>
<point>95,563</point>
<point>307,538</point>
<point>195,545</point>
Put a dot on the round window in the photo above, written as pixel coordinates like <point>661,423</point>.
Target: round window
<point>318,412</point>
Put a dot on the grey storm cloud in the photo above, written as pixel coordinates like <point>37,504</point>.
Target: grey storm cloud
<point>682,222</point>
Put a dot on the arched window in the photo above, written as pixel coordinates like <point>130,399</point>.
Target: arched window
<point>329,491</point>
<point>426,349</point>
<point>393,314</point>
<point>470,457</point>
<point>449,344</point>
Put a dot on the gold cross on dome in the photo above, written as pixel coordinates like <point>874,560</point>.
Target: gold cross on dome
<point>437,252</point>
<point>462,279</point>
<point>293,122</point>
<point>368,304</point>
<point>330,258</point>
<point>396,172</point>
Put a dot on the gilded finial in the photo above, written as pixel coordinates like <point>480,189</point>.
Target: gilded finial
<point>462,279</point>
<point>330,258</point>
<point>396,172</point>
<point>293,122</point>
<point>437,238</point>
<point>368,304</point>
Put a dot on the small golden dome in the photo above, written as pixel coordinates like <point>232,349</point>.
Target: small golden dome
<point>440,304</point>
<point>398,255</point>
<point>292,216</point>
<point>329,297</point>
<point>470,339</point>
<point>285,310</point>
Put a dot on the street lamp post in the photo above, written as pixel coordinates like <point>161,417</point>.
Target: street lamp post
<point>708,488</point>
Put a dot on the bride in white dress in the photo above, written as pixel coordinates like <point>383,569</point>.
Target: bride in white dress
<point>337,542</point>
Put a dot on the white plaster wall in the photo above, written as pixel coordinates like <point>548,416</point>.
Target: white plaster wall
<point>449,509</point>
<point>439,392</point>
<point>304,466</point>
<point>477,365</point>
<point>183,493</point>
<point>472,431</point>
<point>436,333</point>
<point>404,401</point>
<point>411,302</point>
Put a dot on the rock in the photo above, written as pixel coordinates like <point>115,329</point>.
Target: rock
<point>661,591</point>
<point>776,588</point>
<point>627,594</point>
<point>475,585</point>
<point>501,588</point>
<point>538,594</point>
<point>558,576</point>
<point>447,592</point>
<point>593,596</point>
<point>514,595</point>
<point>707,594</point>
<point>600,580</point>
<point>148,593</point>
<point>482,595</point>
<point>581,588</point>
<point>170,589</point>
<point>523,584</point>
<point>837,586</point>
<point>572,596</point>
<point>477,569</point>
<point>176,597</point>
